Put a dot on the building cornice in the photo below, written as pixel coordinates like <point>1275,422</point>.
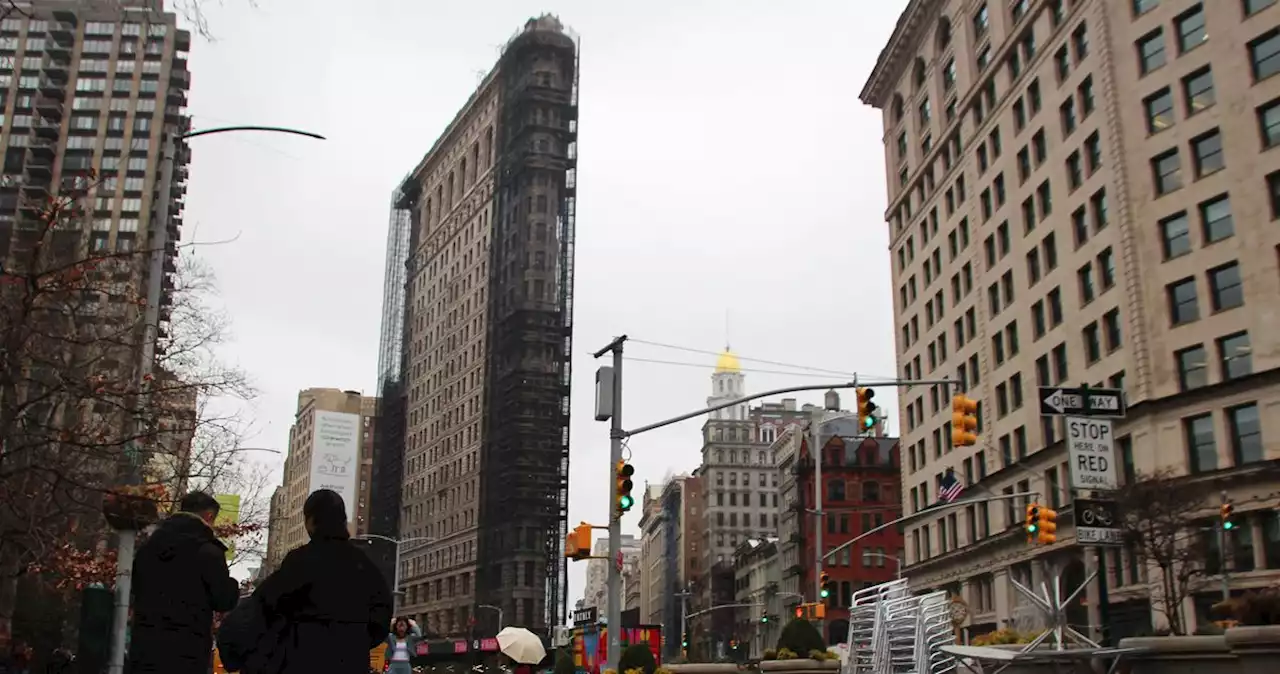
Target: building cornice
<point>898,52</point>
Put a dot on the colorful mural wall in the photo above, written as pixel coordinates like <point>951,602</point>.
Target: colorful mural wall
<point>590,644</point>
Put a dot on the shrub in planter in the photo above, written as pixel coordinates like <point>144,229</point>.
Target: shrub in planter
<point>800,636</point>
<point>770,655</point>
<point>786,654</point>
<point>1253,609</point>
<point>637,656</point>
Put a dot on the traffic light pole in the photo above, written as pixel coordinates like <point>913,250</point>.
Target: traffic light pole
<point>1222,551</point>
<point>617,434</point>
<point>614,615</point>
<point>928,512</point>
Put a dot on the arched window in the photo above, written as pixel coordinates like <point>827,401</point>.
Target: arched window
<point>943,36</point>
<point>871,491</point>
<point>897,108</point>
<point>917,76</point>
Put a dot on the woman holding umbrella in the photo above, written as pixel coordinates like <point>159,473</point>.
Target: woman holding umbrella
<point>402,644</point>
<point>523,647</point>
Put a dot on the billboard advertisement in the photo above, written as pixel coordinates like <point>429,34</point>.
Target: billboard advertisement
<point>228,513</point>
<point>590,641</point>
<point>335,456</point>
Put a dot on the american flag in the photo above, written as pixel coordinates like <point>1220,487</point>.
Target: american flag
<point>949,489</point>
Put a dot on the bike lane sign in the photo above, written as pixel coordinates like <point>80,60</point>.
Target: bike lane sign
<point>1097,522</point>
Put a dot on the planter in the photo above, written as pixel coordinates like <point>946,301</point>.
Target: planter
<point>1257,648</point>
<point>704,668</point>
<point>800,666</point>
<point>1180,655</point>
<point>129,512</point>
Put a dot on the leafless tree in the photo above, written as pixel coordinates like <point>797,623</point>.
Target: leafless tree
<point>75,415</point>
<point>1159,520</point>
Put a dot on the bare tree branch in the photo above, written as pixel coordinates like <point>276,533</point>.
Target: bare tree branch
<point>74,414</point>
<point>1159,522</point>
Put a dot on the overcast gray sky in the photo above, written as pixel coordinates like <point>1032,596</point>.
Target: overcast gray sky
<point>731,188</point>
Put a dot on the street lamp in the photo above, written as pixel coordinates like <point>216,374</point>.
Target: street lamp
<point>898,560</point>
<point>158,242</point>
<point>399,543</point>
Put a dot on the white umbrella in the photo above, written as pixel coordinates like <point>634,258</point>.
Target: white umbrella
<point>521,645</point>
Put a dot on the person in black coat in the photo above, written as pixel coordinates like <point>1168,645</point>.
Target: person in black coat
<point>180,578</point>
<point>323,610</point>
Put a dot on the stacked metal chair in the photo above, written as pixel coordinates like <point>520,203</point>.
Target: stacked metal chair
<point>892,632</point>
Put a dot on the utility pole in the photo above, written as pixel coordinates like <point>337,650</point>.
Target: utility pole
<point>613,620</point>
<point>157,243</point>
<point>609,408</point>
<point>815,451</point>
<point>684,620</point>
<point>1222,553</point>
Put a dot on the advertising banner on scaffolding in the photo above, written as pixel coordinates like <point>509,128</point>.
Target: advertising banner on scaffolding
<point>228,513</point>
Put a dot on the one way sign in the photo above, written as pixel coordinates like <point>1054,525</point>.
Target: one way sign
<point>1093,402</point>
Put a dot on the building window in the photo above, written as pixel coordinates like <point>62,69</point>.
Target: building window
<point>1252,7</point>
<point>1269,123</point>
<point>1235,355</point>
<point>1197,91</point>
<point>1225,284</point>
<point>1246,434</point>
<point>1151,51</point>
<point>1207,150</point>
<point>1273,192</point>
<point>1093,152</point>
<point>1167,170</point>
<point>1264,54</point>
<point>1175,235</point>
<point>1111,327</point>
<point>1141,7</point>
<point>1184,306</point>
<point>1193,368</point>
<point>1159,107</point>
<point>1191,29</point>
<point>835,490</point>
<point>1092,344</point>
<point>1202,451</point>
<point>1215,219</point>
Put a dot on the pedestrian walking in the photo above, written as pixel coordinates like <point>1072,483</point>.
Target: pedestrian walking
<point>402,644</point>
<point>180,578</point>
<point>323,610</point>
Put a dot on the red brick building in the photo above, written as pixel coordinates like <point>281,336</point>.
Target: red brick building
<point>862,490</point>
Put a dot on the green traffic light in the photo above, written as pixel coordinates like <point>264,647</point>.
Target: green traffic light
<point>1228,525</point>
<point>625,501</point>
<point>1032,529</point>
<point>764,619</point>
<point>825,593</point>
<point>869,422</point>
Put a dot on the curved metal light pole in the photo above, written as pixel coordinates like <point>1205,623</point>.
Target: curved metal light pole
<point>157,242</point>
<point>399,543</point>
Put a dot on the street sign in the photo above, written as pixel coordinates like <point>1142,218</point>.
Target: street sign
<point>1093,402</point>
<point>1091,454</point>
<point>1097,522</point>
<point>617,560</point>
<point>585,616</point>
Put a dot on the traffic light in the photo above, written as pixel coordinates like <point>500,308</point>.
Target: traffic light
<point>825,582</point>
<point>1227,510</point>
<point>577,544</point>
<point>964,421</point>
<point>1033,520</point>
<point>764,618</point>
<point>866,409</point>
<point>624,473</point>
<point>1047,527</point>
<point>800,611</point>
